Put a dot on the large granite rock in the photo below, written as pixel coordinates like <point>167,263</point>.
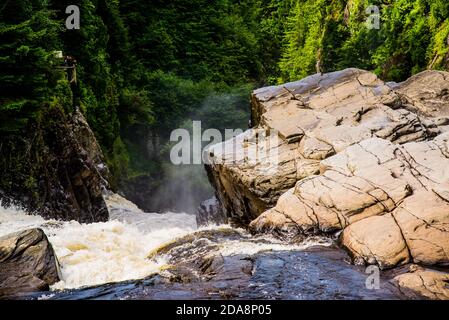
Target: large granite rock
<point>27,263</point>
<point>316,118</point>
<point>55,168</point>
<point>390,200</point>
<point>355,155</point>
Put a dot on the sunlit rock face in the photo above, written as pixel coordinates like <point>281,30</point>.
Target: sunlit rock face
<point>357,155</point>
<point>420,282</point>
<point>391,200</point>
<point>316,118</point>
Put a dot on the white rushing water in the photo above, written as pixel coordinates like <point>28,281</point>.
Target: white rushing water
<point>117,250</point>
<point>97,253</point>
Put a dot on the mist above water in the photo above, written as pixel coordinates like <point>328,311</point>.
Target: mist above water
<point>185,186</point>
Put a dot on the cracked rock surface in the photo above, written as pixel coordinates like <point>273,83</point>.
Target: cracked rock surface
<point>355,155</point>
<point>421,282</point>
<point>315,118</point>
<point>391,201</point>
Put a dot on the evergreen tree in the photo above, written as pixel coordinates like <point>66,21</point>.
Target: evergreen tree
<point>145,66</point>
<point>28,80</point>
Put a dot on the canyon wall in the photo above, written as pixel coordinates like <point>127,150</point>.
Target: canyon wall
<point>55,168</point>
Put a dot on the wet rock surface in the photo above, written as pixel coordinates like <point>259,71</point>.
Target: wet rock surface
<point>281,275</point>
<point>200,267</point>
<point>27,264</point>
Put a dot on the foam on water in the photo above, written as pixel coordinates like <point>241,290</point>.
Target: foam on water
<point>13,219</point>
<point>234,247</point>
<point>97,253</point>
<point>117,250</point>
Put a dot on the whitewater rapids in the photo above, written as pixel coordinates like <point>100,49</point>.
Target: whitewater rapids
<point>117,250</point>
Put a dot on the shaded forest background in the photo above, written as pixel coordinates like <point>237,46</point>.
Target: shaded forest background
<point>147,67</point>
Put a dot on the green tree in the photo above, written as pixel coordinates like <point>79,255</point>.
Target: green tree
<point>29,80</point>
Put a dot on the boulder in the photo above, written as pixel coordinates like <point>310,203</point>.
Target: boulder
<point>27,263</point>
<point>376,240</point>
<point>421,282</point>
<point>430,99</point>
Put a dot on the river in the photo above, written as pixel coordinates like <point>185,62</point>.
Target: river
<point>110,260</point>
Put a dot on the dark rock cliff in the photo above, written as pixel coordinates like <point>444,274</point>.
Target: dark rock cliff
<point>55,168</point>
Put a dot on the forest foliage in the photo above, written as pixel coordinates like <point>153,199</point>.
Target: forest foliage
<point>144,67</point>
